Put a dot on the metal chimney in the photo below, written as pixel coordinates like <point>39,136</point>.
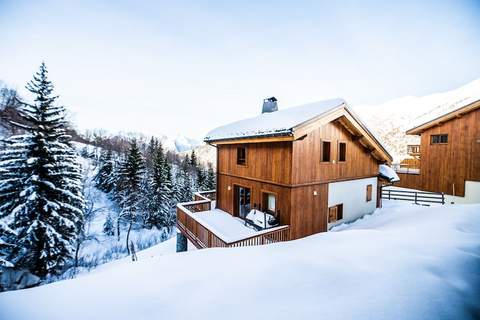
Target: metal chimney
<point>269,105</point>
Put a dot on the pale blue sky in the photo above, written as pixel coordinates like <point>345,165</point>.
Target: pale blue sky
<point>189,66</point>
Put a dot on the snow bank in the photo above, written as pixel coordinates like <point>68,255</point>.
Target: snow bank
<point>279,122</point>
<point>387,172</point>
<point>402,262</point>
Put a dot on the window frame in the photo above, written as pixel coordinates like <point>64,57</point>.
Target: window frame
<point>338,151</point>
<point>322,150</point>
<point>265,194</point>
<point>339,212</point>
<point>439,136</point>
<point>238,148</point>
<point>369,195</point>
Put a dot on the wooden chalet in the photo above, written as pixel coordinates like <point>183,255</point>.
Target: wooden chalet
<point>448,157</point>
<point>310,167</point>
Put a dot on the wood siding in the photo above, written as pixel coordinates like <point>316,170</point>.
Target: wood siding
<point>265,161</point>
<point>445,167</point>
<point>294,172</point>
<point>306,157</point>
<point>309,211</point>
<point>226,200</point>
<point>410,180</point>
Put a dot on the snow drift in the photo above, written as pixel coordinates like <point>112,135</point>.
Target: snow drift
<point>402,262</point>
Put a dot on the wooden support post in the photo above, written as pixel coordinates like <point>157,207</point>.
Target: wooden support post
<point>181,242</point>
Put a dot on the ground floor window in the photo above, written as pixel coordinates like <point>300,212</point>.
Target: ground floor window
<point>335,213</point>
<point>369,192</point>
<point>269,202</point>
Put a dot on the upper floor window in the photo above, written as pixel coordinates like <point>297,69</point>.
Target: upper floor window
<point>326,151</point>
<point>439,138</point>
<point>241,155</point>
<point>342,151</point>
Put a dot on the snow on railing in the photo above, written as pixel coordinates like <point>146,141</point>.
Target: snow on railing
<point>204,236</point>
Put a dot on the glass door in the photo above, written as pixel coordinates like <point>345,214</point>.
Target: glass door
<point>243,201</point>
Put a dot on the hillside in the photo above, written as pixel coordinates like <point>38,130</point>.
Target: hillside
<point>391,119</point>
<point>385,266</point>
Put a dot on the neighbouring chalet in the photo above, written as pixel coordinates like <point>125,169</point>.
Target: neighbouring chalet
<point>286,174</point>
<point>448,157</point>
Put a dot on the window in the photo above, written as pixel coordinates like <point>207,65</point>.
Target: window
<point>269,202</point>
<point>439,138</point>
<point>342,151</point>
<point>241,155</point>
<point>325,151</point>
<point>335,213</point>
<point>369,192</point>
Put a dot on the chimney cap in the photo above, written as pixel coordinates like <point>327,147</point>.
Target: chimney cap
<point>269,105</point>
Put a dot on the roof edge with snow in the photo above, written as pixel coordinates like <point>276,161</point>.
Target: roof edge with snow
<point>444,117</point>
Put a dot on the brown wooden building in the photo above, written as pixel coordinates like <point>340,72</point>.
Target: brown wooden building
<point>448,157</point>
<point>311,166</point>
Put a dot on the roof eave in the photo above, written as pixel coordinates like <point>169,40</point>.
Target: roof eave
<point>287,133</point>
<point>443,118</point>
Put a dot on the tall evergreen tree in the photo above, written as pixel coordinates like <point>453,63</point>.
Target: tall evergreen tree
<point>151,150</point>
<point>201,183</point>
<point>103,178</point>
<point>184,182</point>
<point>132,174</point>
<point>40,184</point>
<point>193,160</point>
<point>160,190</point>
<point>210,183</point>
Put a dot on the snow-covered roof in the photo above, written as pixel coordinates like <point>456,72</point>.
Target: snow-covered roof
<point>388,173</point>
<point>444,112</point>
<point>275,123</point>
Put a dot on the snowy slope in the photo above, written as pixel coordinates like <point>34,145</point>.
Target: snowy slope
<point>403,262</point>
<point>390,120</point>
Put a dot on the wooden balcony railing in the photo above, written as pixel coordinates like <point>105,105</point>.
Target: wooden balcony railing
<point>204,237</point>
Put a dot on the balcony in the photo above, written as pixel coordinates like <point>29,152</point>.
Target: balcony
<point>413,150</point>
<point>206,227</point>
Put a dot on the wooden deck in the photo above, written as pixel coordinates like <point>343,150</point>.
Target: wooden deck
<point>203,237</point>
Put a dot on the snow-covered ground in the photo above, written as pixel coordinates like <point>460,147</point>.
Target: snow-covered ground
<point>402,262</point>
<point>100,248</point>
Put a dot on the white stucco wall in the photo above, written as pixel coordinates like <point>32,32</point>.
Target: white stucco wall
<point>472,194</point>
<point>353,195</point>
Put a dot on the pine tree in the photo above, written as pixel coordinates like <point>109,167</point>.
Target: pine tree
<point>40,185</point>
<point>132,174</point>
<point>201,180</point>
<point>184,182</point>
<point>108,227</point>
<point>103,178</point>
<point>210,183</point>
<point>155,190</point>
<point>150,154</point>
<point>193,160</point>
<point>7,236</point>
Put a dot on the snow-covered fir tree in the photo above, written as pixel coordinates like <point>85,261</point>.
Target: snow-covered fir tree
<point>210,183</point>
<point>132,174</point>
<point>103,178</point>
<point>184,182</point>
<point>193,160</point>
<point>157,194</point>
<point>7,235</point>
<point>108,227</point>
<point>201,180</point>
<point>40,185</point>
